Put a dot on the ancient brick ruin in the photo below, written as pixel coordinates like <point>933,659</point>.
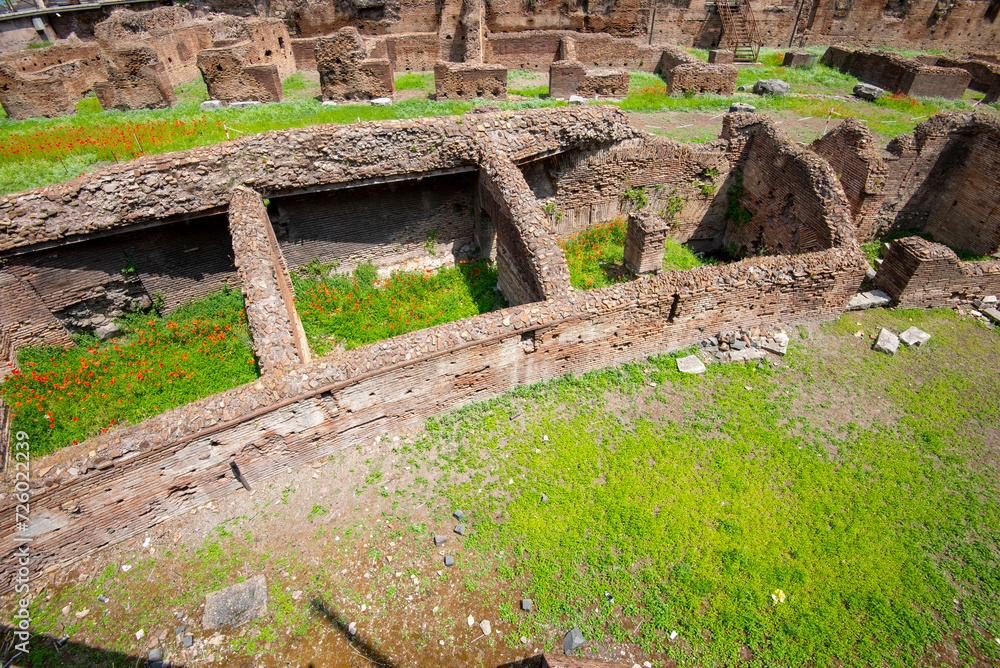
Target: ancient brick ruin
<point>188,222</point>
<point>897,74</point>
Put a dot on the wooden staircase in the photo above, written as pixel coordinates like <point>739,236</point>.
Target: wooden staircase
<point>739,29</point>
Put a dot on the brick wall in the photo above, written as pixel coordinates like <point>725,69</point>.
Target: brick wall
<point>136,79</point>
<point>684,73</point>
<point>854,155</point>
<point>382,223</point>
<point>919,274</point>
<point>229,78</point>
<point>985,75</point>
<point>588,187</point>
<point>171,463</point>
<point>795,201</point>
<point>347,70</point>
<point>537,49</point>
<point>569,77</point>
<point>79,80</point>
<point>43,93</point>
<point>897,74</point>
<point>945,179</point>
<point>278,337</point>
<point>454,81</point>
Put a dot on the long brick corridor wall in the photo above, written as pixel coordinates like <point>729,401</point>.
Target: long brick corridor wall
<point>174,462</point>
<point>919,274</point>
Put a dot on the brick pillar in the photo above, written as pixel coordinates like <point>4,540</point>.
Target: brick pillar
<point>278,337</point>
<point>644,243</point>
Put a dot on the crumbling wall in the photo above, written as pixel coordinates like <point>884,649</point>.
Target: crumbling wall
<point>278,337</point>
<point>985,75</point>
<point>346,70</point>
<point>945,180</point>
<point>919,274</point>
<point>684,73</point>
<point>459,81</point>
<point>137,79</point>
<point>170,464</point>
<point>530,264</point>
<point>789,199</point>
<point>591,186</point>
<point>568,76</point>
<point>83,57</point>
<point>623,18</point>
<point>537,49</point>
<point>852,151</point>
<point>37,94</point>
<point>249,65</point>
<point>897,74</point>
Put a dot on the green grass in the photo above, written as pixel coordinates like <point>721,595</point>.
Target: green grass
<point>42,44</point>
<point>693,502</point>
<point>294,82</point>
<point>818,79</point>
<point>595,255</point>
<point>411,81</point>
<point>65,395</point>
<point>352,311</point>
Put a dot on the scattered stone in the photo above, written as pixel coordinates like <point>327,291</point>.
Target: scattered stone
<point>914,337</point>
<point>775,346</point>
<point>866,300</point>
<point>545,497</point>
<point>83,613</point>
<point>690,364</point>
<point>236,605</point>
<point>106,331</point>
<point>868,92</point>
<point>673,635</point>
<point>573,640</point>
<point>156,654</point>
<point>887,342</point>
<point>739,345</point>
<point>870,274</point>
<point>471,620</point>
<point>459,515</point>
<point>772,87</point>
<point>187,640</point>
<point>296,595</point>
<point>440,540</point>
<point>485,626</point>
<point>66,609</point>
<point>126,568</point>
<point>993,314</point>
<point>210,105</point>
<point>449,560</point>
<point>526,604</point>
<point>328,103</point>
<point>140,634</point>
<point>576,99</point>
<point>244,105</point>
<point>382,102</point>
<point>460,529</point>
<point>180,629</point>
<point>746,355</point>
<point>352,628</point>
<point>737,107</point>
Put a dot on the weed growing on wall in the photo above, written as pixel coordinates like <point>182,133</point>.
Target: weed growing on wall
<point>356,309</point>
<point>64,395</point>
<point>595,256</point>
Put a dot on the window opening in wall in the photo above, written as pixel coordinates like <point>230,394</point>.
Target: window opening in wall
<point>673,308</point>
<point>281,42</point>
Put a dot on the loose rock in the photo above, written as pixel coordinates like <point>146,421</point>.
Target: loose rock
<point>887,342</point>
<point>772,87</point>
<point>573,640</point>
<point>690,364</point>
<point>914,337</point>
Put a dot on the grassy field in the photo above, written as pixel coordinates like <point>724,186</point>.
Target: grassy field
<point>595,256</point>
<point>356,309</point>
<point>64,395</point>
<point>837,509</point>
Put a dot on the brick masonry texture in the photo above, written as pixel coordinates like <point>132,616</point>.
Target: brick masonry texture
<point>853,153</point>
<point>897,74</point>
<point>137,79</point>
<point>278,337</point>
<point>178,460</point>
<point>795,201</point>
<point>684,73</point>
<point>347,70</point>
<point>944,179</point>
<point>250,66</point>
<point>568,77</point>
<point>919,274</point>
<point>645,240</point>
<point>48,82</point>
<point>985,75</point>
<point>454,81</point>
<point>511,162</point>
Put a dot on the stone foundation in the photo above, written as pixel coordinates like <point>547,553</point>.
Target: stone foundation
<point>454,81</point>
<point>897,74</point>
<point>684,73</point>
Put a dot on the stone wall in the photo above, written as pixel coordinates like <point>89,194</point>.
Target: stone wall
<point>347,70</point>
<point>37,94</point>
<point>919,274</point>
<point>985,75</point>
<point>79,80</point>
<point>249,66</point>
<point>170,464</point>
<point>899,75</point>
<point>945,180</point>
<point>794,200</point>
<point>569,77</point>
<point>531,265</point>
<point>137,79</point>
<point>684,73</point>
<point>645,240</point>
<point>853,153</point>
<point>537,49</point>
<point>589,187</point>
<point>460,81</point>
<point>278,337</point>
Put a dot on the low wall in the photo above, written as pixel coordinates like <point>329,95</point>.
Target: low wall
<point>897,74</point>
<point>684,73</point>
<point>537,49</point>
<point>985,75</point>
<point>459,81</point>
<point>172,463</point>
<point>568,78</point>
<point>919,274</point>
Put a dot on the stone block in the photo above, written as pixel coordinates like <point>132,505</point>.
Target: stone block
<point>381,101</point>
<point>236,605</point>
<point>721,56</point>
<point>868,92</point>
<point>245,104</point>
<point>775,87</point>
<point>210,105</point>
<point>690,364</point>
<point>914,337</point>
<point>886,342</point>
<point>737,107</point>
<point>573,640</point>
<point>993,314</point>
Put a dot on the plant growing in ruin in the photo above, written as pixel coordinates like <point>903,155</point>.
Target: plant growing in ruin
<point>637,196</point>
